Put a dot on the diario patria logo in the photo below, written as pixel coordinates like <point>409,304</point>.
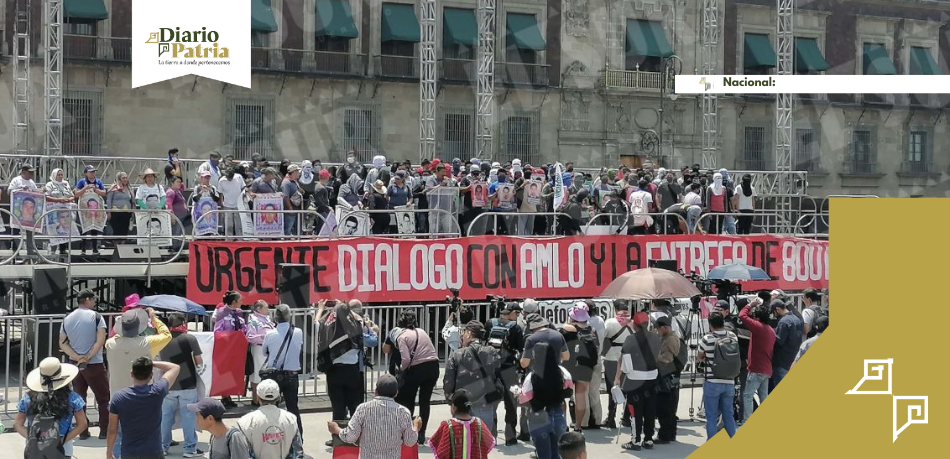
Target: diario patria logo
<point>188,44</point>
<point>174,38</point>
<point>707,85</point>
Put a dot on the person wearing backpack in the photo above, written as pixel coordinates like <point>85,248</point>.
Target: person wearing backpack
<point>812,311</point>
<point>637,377</point>
<point>507,336</point>
<point>788,339</point>
<point>585,353</point>
<point>45,414</point>
<point>476,369</point>
<point>720,356</point>
<point>616,331</point>
<point>225,442</point>
<point>755,317</point>
<point>669,368</point>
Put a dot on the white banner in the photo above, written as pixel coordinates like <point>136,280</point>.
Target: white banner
<point>812,84</point>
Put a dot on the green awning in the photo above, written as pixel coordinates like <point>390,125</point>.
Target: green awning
<point>399,23</point>
<point>262,16</point>
<point>459,27</point>
<point>758,51</point>
<point>922,62</point>
<point>877,61</point>
<point>523,32</point>
<point>808,57</point>
<point>647,38</point>
<point>335,19</point>
<point>85,10</point>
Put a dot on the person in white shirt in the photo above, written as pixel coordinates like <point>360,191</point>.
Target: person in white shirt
<point>231,186</point>
<point>211,165</point>
<point>271,431</point>
<point>744,201</point>
<point>24,181</point>
<point>641,202</point>
<point>595,414</point>
<point>615,332</point>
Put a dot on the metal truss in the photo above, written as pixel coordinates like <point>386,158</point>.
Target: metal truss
<point>53,75</point>
<point>784,39</point>
<point>21,78</point>
<point>485,86</point>
<point>427,79</point>
<point>710,102</point>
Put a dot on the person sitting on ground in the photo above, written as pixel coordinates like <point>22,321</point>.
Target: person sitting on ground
<point>572,445</point>
<point>225,442</point>
<point>464,436</point>
<point>380,426</point>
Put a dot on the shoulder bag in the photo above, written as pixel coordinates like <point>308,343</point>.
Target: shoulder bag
<point>278,374</point>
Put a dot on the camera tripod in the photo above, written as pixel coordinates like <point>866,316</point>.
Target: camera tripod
<point>694,316</point>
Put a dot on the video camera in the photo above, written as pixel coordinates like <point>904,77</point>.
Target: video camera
<point>497,303</point>
<point>456,306</point>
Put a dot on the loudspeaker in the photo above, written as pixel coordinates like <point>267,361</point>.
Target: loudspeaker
<point>294,286</point>
<point>49,290</point>
<point>669,265</point>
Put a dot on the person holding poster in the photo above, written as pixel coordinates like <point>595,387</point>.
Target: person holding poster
<point>154,228</point>
<point>267,220</point>
<point>503,200</point>
<point>405,222</point>
<point>60,226</point>
<point>530,191</point>
<point>206,197</point>
<point>151,194</point>
<point>205,217</point>
<point>91,185</point>
<point>120,199</point>
<point>26,207</point>
<point>474,195</point>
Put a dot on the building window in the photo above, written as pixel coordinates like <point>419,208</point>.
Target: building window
<point>806,150</point>
<point>82,123</point>
<point>862,152</point>
<point>457,135</point>
<point>79,28</point>
<point>360,131</point>
<point>457,51</point>
<point>251,126</point>
<point>521,138</point>
<point>643,63</point>
<point>398,48</point>
<point>755,151</point>
<point>521,56</point>
<point>918,151</point>
<point>333,44</point>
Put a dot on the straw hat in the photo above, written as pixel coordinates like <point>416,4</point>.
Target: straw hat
<point>51,372</point>
<point>380,187</point>
<point>147,172</point>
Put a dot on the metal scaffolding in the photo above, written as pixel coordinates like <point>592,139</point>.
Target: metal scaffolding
<point>710,103</point>
<point>53,75</point>
<point>485,88</point>
<point>784,39</point>
<point>21,78</point>
<point>427,79</point>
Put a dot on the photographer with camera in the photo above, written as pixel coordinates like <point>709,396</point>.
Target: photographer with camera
<point>476,368</point>
<point>755,317</point>
<point>459,315</point>
<point>505,335</point>
<point>788,339</point>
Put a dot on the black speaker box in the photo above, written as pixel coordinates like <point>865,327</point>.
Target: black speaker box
<point>669,265</point>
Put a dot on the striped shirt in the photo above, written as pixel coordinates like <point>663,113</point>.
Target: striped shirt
<point>380,426</point>
<point>707,346</point>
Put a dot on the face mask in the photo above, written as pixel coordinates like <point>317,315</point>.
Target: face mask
<point>357,310</point>
<point>350,159</point>
<point>502,179</point>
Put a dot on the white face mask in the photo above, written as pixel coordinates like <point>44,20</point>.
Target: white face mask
<point>350,159</point>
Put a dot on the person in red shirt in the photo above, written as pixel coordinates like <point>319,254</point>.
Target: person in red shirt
<point>760,354</point>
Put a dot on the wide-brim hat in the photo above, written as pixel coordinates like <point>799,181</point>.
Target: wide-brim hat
<point>380,187</point>
<point>131,323</point>
<point>147,172</point>
<point>51,371</point>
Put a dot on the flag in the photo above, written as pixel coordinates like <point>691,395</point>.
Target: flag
<point>224,355</point>
<point>558,187</point>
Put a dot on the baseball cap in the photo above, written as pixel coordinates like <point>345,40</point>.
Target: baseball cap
<point>324,174</point>
<point>208,407</point>
<point>641,318</point>
<point>662,321</point>
<point>775,304</point>
<point>27,167</point>
<point>530,306</point>
<point>579,312</point>
<point>85,293</point>
<point>205,174</point>
<point>475,327</point>
<point>292,168</point>
<point>778,293</point>
<point>268,390</point>
<point>89,168</point>
<point>511,307</point>
<point>722,304</point>
<point>473,168</point>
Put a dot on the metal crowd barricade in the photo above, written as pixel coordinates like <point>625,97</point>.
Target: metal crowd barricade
<point>765,228</point>
<point>107,167</point>
<point>514,217</point>
<point>813,223</point>
<point>74,234</point>
<point>8,240</point>
<point>222,226</point>
<point>345,231</point>
<point>824,202</point>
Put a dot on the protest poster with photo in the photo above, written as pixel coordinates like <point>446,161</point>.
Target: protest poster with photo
<point>352,223</point>
<point>405,221</point>
<point>205,216</point>
<point>539,177</point>
<point>247,220</point>
<point>92,217</point>
<point>61,223</point>
<point>505,194</point>
<point>154,228</point>
<point>532,192</point>
<point>605,195</point>
<point>268,220</point>
<point>479,194</point>
<point>26,208</point>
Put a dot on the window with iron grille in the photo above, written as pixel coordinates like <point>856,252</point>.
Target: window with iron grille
<point>457,135</point>
<point>360,131</point>
<point>643,63</point>
<point>333,44</point>
<point>251,127</point>
<point>862,151</point>
<point>82,123</point>
<point>397,48</point>
<point>806,150</point>
<point>755,151</point>
<point>521,138</point>
<point>517,55</point>
<point>918,151</point>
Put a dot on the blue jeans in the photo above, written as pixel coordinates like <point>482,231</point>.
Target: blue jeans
<point>176,402</point>
<point>778,374</point>
<point>546,428</point>
<point>487,414</point>
<point>718,399</point>
<point>117,448</point>
<point>755,383</point>
<point>730,225</point>
<point>290,225</point>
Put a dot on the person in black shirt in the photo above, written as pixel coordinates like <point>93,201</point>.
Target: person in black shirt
<point>182,350</point>
<point>321,199</point>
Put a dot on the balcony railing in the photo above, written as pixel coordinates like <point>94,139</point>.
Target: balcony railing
<point>397,67</point>
<point>860,166</point>
<point>634,79</point>
<point>754,164</point>
<point>457,70</point>
<point>877,99</point>
<point>85,47</point>
<point>917,167</point>
<point>307,62</point>
<point>516,73</point>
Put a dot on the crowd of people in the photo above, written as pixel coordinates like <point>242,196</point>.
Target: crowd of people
<point>144,374</point>
<point>446,196</point>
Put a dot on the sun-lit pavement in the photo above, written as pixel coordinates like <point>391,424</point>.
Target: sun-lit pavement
<point>600,444</point>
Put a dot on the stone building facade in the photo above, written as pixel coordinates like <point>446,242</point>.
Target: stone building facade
<point>584,85</point>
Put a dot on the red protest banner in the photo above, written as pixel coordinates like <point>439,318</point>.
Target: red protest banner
<point>380,270</point>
